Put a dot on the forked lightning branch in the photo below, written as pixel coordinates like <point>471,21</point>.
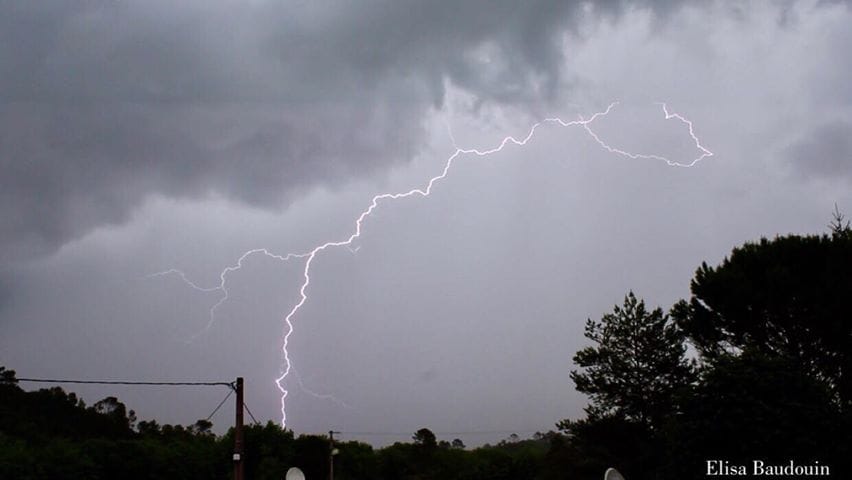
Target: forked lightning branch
<point>386,198</point>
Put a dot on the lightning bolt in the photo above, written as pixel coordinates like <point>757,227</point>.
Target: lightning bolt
<point>321,396</point>
<point>425,191</point>
<point>221,287</point>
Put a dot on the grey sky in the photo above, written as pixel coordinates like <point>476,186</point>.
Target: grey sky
<point>141,136</point>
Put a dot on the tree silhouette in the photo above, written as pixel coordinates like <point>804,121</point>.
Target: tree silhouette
<point>757,407</point>
<point>839,226</point>
<point>786,297</point>
<point>636,365</point>
<point>425,438</point>
<point>51,434</point>
<point>7,377</point>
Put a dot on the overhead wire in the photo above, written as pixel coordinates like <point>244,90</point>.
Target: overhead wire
<point>124,382</point>
<point>220,405</point>
<point>250,414</point>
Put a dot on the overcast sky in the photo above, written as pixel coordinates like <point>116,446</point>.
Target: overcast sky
<point>143,136</point>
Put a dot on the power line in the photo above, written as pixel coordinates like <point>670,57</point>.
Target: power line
<point>220,404</point>
<point>249,412</point>
<point>125,382</point>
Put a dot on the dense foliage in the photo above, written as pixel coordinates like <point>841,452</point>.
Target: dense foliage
<point>769,379</point>
<point>51,434</point>
<point>772,330</point>
<point>637,365</point>
<point>787,297</point>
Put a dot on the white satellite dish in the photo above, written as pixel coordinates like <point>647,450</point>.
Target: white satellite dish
<point>294,474</point>
<point>611,474</point>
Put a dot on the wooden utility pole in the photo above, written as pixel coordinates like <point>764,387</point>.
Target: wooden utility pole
<point>331,455</point>
<point>238,432</point>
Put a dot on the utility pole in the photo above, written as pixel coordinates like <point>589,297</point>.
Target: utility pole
<point>238,432</point>
<point>331,453</point>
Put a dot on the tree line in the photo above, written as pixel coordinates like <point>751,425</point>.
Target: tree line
<point>53,434</point>
<point>755,365</point>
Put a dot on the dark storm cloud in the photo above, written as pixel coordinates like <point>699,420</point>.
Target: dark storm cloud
<point>105,102</point>
<point>825,153</point>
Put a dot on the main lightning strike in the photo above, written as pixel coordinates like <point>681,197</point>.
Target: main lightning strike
<point>424,192</point>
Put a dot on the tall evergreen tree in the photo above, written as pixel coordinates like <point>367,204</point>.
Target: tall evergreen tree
<point>636,366</point>
<point>787,297</point>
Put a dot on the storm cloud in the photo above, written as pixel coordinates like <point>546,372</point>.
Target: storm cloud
<point>105,103</point>
<point>825,153</point>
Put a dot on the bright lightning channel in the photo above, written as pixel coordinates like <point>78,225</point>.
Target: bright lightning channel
<point>287,365</point>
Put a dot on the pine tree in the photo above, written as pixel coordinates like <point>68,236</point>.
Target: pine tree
<point>636,366</point>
